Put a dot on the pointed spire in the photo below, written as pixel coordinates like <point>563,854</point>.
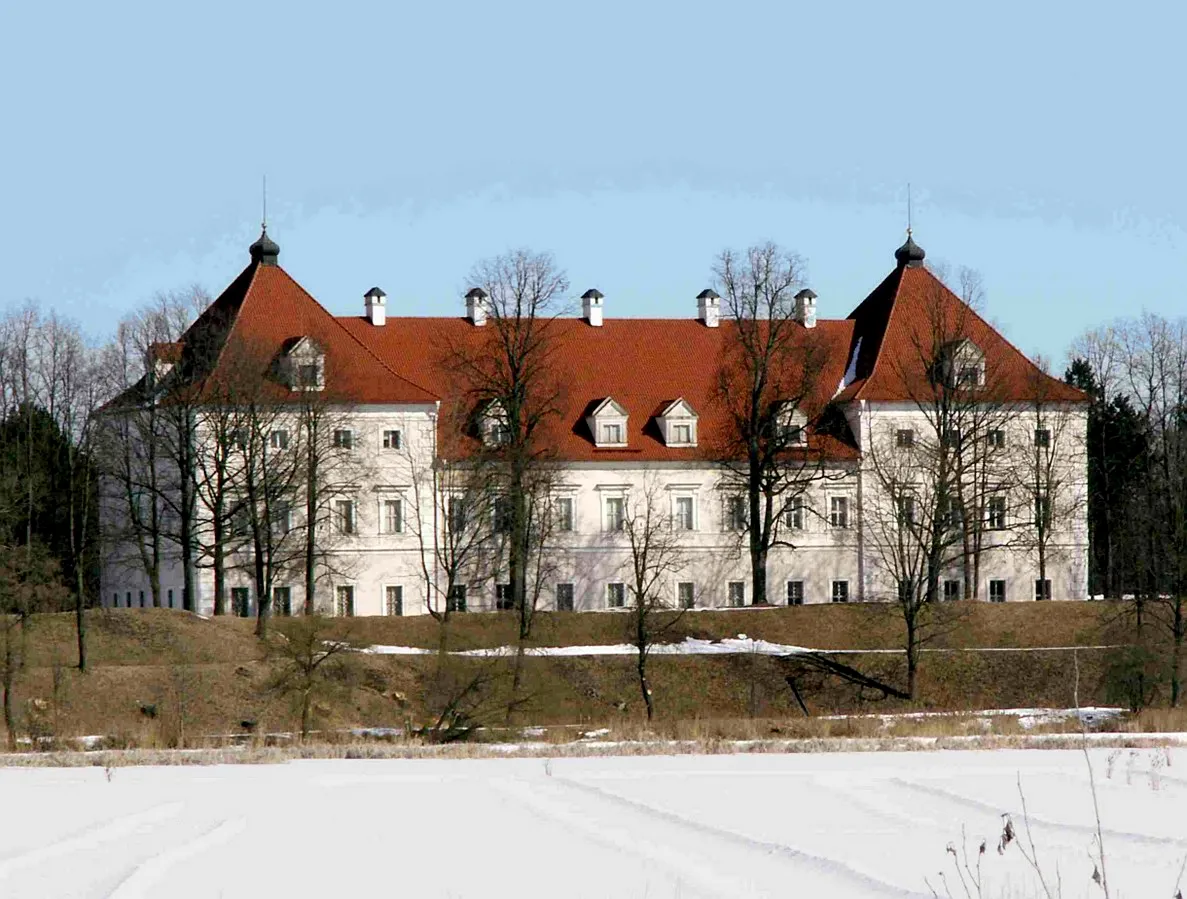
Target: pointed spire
<point>265,250</point>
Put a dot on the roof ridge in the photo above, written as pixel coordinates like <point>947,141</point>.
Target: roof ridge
<point>899,270</point>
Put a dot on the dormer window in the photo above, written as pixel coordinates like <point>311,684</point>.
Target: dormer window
<point>962,364</point>
<point>493,425</point>
<point>303,366</point>
<point>792,425</point>
<point>678,424</point>
<point>608,423</point>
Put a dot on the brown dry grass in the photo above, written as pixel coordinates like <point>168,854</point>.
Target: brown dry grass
<point>204,678</point>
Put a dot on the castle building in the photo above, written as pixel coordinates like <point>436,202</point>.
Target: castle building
<point>911,379</point>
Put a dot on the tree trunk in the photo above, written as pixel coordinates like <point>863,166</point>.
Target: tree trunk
<point>311,497</point>
<point>1177,626</point>
<point>912,659</point>
<point>645,685</point>
<point>10,665</point>
<point>80,619</point>
<point>219,564</point>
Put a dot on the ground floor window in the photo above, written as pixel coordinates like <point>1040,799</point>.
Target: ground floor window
<point>997,591</point>
<point>1042,589</point>
<point>795,593</point>
<point>282,601</point>
<point>456,600</point>
<point>503,598</point>
<point>685,594</point>
<point>394,600</point>
<point>142,599</point>
<point>240,602</point>
<point>564,597</point>
<point>344,602</point>
<point>170,600</point>
<point>951,591</point>
<point>737,594</point>
<point>840,591</point>
<point>615,595</point>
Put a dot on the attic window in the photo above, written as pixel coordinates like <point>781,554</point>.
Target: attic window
<point>608,424</point>
<point>678,423</point>
<point>493,425</point>
<point>963,364</point>
<point>303,367</point>
<point>792,425</point>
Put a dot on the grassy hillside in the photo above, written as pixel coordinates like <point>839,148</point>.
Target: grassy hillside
<point>161,677</point>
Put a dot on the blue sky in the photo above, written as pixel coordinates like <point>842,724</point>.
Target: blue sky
<point>633,140</point>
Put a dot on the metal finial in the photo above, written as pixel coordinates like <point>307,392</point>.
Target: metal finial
<point>264,205</point>
<point>908,209</point>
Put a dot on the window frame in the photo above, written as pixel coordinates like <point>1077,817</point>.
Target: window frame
<point>570,603</point>
<point>904,438</point>
<point>283,609</point>
<point>843,521</point>
<point>795,592</point>
<point>504,601</point>
<point>735,594</point>
<point>952,590</point>
<point>344,592</point>
<point>343,439</point>
<point>388,599</point>
<point>993,583</point>
<point>680,520</point>
<point>566,522</point>
<point>689,601</point>
<point>615,595</point>
<point>614,522</point>
<point>393,439</point>
<point>841,595</point>
<point>278,439</point>
<point>455,599</point>
<point>385,528</point>
<point>794,513</point>
<point>1042,590</point>
<point>1042,438</point>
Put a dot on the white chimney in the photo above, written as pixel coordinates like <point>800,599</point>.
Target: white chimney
<point>805,308</point>
<point>477,306</point>
<point>709,307</point>
<point>375,301</point>
<point>591,307</point>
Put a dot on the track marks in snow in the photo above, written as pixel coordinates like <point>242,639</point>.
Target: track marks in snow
<point>1039,820</point>
<point>856,882</point>
<point>91,838</point>
<point>152,871</point>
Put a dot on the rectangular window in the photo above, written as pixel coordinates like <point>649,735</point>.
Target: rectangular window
<point>142,599</point>
<point>996,439</point>
<point>794,435</point>
<point>1042,438</point>
<point>1043,511</point>
<point>457,517</point>
<point>684,513</point>
<point>239,439</point>
<point>240,602</point>
<point>564,514</point>
<point>393,516</point>
<point>615,513</point>
<point>1042,589</point>
<point>240,522</point>
<point>904,438</point>
<point>307,374</point>
<point>997,591</point>
<point>391,440</point>
<point>840,591</point>
<point>952,438</point>
<point>129,602</point>
<point>996,519</point>
<point>456,600</point>
<point>394,600</point>
<point>795,593</point>
<point>278,439</point>
<point>735,513</point>
<point>737,594</point>
<point>503,599</point>
<point>682,433</point>
<point>115,600</point>
<point>344,438</point>
<point>344,522</point>
<point>501,515</point>
<point>615,596</point>
<point>795,514</point>
<point>612,433</point>
<point>685,594</point>
<point>564,597</point>
<point>282,601</point>
<point>344,602</point>
<point>906,510</point>
<point>951,591</point>
<point>170,599</point>
<point>281,519</point>
<point>838,511</point>
<point>969,375</point>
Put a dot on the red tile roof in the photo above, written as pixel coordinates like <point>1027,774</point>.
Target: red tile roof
<point>644,364</point>
<point>910,313</point>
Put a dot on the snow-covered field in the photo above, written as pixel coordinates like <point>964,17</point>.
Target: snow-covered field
<point>828,825</point>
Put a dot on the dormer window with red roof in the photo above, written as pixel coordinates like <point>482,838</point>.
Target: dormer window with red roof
<point>963,364</point>
<point>793,425</point>
<point>678,423</point>
<point>493,425</point>
<point>608,423</point>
